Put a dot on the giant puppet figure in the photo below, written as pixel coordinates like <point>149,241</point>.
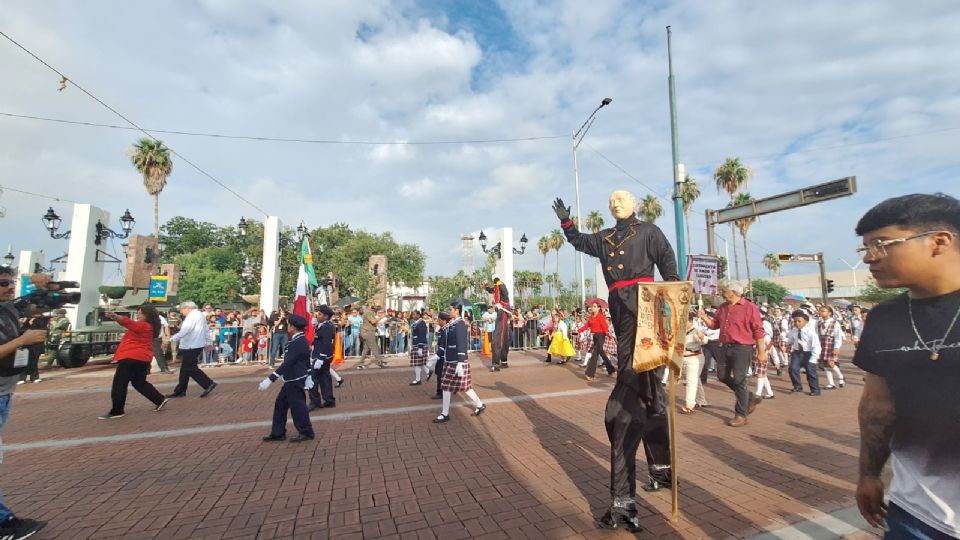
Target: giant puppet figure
<point>500,342</point>
<point>636,409</point>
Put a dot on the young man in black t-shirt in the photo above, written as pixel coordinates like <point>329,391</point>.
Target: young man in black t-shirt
<point>910,349</point>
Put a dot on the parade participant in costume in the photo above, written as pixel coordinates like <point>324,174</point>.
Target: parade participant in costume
<point>193,338</point>
<point>636,409</point>
<point>295,373</point>
<point>804,347</point>
<point>778,343</point>
<point>764,390</point>
<point>456,367</point>
<point>439,357</point>
<point>499,342</point>
<point>597,325</point>
<point>831,339</point>
<point>321,395</point>
<point>133,357</point>
<point>560,345</point>
<point>418,346</point>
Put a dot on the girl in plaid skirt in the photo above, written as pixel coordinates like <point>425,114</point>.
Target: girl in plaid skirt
<point>831,338</point>
<point>456,368</point>
<point>418,347</point>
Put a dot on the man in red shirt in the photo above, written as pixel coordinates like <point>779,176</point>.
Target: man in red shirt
<point>740,331</point>
<point>597,324</point>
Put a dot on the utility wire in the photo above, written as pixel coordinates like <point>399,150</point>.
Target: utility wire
<point>52,198</point>
<point>129,121</point>
<point>286,139</point>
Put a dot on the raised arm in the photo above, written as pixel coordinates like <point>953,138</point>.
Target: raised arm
<point>591,244</point>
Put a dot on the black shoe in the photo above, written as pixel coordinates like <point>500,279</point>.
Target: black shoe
<point>814,393</point>
<point>494,368</point>
<point>797,390</point>
<point>611,522</point>
<point>16,528</point>
<point>769,397</point>
<point>108,416</point>
<point>382,365</point>
<point>159,407</point>
<point>429,375</point>
<point>176,395</point>
<point>340,382</point>
<point>441,419</point>
<point>504,365</point>
<point>416,383</point>
<point>479,410</point>
<point>329,405</point>
<point>314,406</point>
<point>300,437</point>
<point>438,395</point>
<point>209,389</point>
<point>655,485</point>
<point>270,438</point>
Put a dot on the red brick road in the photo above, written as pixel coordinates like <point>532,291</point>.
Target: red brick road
<point>533,466</point>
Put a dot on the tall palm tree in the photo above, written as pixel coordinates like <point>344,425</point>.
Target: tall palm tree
<point>772,263</point>
<point>594,221</point>
<point>689,192</point>
<point>544,246</point>
<point>649,209</point>
<point>744,225</point>
<point>152,160</point>
<point>557,240</point>
<point>731,177</point>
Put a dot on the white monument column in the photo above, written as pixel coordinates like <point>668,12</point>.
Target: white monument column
<point>82,264</point>
<point>270,278</point>
<point>504,266</point>
<point>27,262</point>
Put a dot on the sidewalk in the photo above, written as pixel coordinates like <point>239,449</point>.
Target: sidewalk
<point>535,465</point>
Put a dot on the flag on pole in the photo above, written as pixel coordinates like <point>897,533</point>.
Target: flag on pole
<point>306,283</point>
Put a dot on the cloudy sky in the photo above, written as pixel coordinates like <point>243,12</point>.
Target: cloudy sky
<point>803,92</point>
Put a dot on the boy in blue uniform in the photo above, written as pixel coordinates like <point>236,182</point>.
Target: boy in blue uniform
<point>321,395</point>
<point>442,319</point>
<point>295,372</point>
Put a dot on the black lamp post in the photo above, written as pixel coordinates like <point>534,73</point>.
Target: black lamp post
<point>242,226</point>
<point>9,258</point>
<point>103,232</point>
<point>52,222</point>
<point>498,247</point>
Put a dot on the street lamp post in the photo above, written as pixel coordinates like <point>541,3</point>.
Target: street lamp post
<point>577,139</point>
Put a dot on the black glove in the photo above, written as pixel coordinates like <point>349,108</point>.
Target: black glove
<point>563,212</point>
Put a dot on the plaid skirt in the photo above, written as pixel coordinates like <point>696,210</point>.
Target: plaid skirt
<point>610,346</point>
<point>760,368</point>
<point>418,356</point>
<point>451,382</point>
<point>584,341</point>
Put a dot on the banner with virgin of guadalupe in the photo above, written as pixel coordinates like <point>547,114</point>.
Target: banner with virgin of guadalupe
<point>662,313</point>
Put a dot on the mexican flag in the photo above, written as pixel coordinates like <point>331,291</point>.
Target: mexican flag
<point>306,283</point>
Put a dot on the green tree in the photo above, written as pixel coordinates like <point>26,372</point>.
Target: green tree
<point>649,209</point>
<point>152,160</point>
<point>594,221</point>
<point>874,294</point>
<point>557,239</point>
<point>772,263</point>
<point>209,275</point>
<point>773,292</point>
<point>689,193</point>
<point>743,225</point>
<point>731,177</point>
<point>544,247</point>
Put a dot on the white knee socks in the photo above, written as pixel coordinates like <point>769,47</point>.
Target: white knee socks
<point>334,375</point>
<point>416,374</point>
<point>763,383</point>
<point>831,371</point>
<point>472,394</point>
<point>446,403</point>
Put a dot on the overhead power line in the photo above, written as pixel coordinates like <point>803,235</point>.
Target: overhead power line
<point>42,196</point>
<point>287,139</point>
<point>64,79</point>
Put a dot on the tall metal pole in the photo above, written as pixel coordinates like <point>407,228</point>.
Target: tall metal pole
<point>678,176</point>
<point>576,178</point>
<point>823,278</point>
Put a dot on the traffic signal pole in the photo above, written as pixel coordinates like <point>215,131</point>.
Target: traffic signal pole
<point>823,278</point>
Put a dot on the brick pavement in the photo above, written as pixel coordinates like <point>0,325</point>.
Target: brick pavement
<point>533,466</point>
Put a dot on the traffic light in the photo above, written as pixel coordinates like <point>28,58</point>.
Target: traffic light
<point>829,286</point>
<point>784,257</point>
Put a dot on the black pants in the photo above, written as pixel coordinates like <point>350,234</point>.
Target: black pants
<point>438,373</point>
<point>711,351</point>
<point>322,391</point>
<point>734,360</point>
<point>291,398</point>
<point>629,422</point>
<point>500,340</point>
<point>133,372</point>
<point>598,352</point>
<point>801,359</point>
<point>189,369</point>
<point>158,353</point>
<point>33,362</point>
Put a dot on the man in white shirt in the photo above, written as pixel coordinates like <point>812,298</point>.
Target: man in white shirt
<point>804,347</point>
<point>193,337</point>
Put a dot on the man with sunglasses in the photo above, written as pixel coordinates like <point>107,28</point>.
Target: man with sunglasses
<point>13,360</point>
<point>910,349</point>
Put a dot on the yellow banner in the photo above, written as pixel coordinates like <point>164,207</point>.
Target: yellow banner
<point>663,310</point>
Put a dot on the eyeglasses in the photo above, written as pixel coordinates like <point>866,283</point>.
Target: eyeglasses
<point>6,282</point>
<point>878,248</point>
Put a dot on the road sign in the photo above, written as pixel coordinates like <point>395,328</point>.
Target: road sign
<point>806,257</point>
<point>785,201</point>
<point>158,288</point>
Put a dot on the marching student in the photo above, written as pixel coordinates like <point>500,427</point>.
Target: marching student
<point>456,366</point>
<point>439,361</point>
<point>321,395</point>
<point>764,390</point>
<point>804,352</point>
<point>418,347</point>
<point>560,344</point>
<point>295,372</point>
<point>597,324</point>
<point>831,338</point>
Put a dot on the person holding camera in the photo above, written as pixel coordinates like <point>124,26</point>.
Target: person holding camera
<point>134,356</point>
<point>13,361</point>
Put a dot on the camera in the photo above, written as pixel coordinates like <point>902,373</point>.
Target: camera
<point>46,299</point>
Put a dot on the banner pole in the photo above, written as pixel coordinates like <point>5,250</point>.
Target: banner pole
<point>672,417</point>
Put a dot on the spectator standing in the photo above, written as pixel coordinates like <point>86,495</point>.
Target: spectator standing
<point>278,324</point>
<point>368,338</point>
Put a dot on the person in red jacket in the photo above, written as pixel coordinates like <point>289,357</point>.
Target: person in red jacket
<point>133,358</point>
<point>597,324</point>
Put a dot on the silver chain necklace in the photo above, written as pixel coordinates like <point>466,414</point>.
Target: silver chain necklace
<point>935,350</point>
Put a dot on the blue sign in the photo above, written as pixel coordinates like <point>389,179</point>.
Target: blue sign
<point>25,286</point>
<point>158,288</point>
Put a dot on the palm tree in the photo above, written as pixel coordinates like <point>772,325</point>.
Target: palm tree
<point>594,221</point>
<point>544,247</point>
<point>649,209</point>
<point>689,192</point>
<point>772,263</point>
<point>744,225</point>
<point>730,177</point>
<point>152,160</point>
<point>556,242</point>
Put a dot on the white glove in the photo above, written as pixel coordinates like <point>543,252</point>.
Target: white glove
<point>318,364</point>
<point>432,362</point>
<point>264,384</point>
<point>309,382</point>
<point>459,369</point>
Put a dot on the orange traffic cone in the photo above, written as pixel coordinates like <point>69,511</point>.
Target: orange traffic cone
<point>337,351</point>
<point>486,351</point>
